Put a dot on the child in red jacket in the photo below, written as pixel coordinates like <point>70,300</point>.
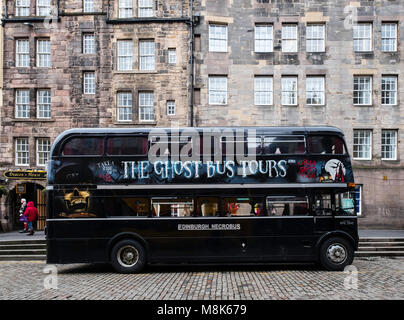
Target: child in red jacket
<point>32,214</point>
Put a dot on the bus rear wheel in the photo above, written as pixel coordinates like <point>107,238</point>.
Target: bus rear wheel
<point>128,256</point>
<point>336,253</point>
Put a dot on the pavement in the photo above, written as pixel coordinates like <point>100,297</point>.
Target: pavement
<point>40,235</point>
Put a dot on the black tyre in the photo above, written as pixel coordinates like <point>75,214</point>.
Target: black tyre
<point>336,253</point>
<point>128,256</point>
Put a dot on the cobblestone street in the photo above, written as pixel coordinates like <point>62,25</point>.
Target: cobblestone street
<point>371,278</point>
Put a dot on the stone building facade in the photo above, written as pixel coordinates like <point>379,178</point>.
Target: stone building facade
<point>91,63</point>
<point>287,63</point>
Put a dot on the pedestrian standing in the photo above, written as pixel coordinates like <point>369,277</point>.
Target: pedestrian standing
<point>23,218</point>
<point>32,214</point>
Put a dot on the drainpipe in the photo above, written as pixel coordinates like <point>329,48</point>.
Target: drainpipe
<point>191,102</point>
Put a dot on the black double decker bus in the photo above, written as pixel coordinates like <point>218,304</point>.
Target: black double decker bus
<point>132,197</point>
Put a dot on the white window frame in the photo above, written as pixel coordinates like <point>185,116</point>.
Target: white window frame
<point>360,187</point>
<point>88,6</point>
<point>218,35</point>
<point>315,37</point>
<point>43,53</point>
<point>218,90</point>
<point>385,146</point>
<point>390,38</point>
<point>147,55</point>
<point>364,134</point>
<point>43,148</point>
<point>287,99</point>
<point>146,109</point>
<point>171,107</point>
<point>124,106</point>
<point>145,8</point>
<point>22,8</point>
<point>22,53</point>
<point>125,55</point>
<point>22,104</point>
<point>88,43</point>
<point>125,9</point>
<point>362,36</point>
<point>172,56</point>
<point>315,88</point>
<point>43,104</point>
<point>359,93</point>
<point>263,90</point>
<point>43,8</point>
<point>392,83</point>
<point>263,38</point>
<point>89,84</point>
<point>290,36</point>
<point>21,152</point>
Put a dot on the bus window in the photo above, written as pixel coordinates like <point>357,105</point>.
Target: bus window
<point>287,206</point>
<point>237,207</point>
<point>345,203</point>
<point>177,145</point>
<point>83,146</point>
<point>322,204</point>
<point>207,206</point>
<point>127,146</point>
<point>172,207</point>
<point>233,146</point>
<point>284,144</point>
<point>326,145</point>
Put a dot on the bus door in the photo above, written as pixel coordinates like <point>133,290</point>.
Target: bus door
<point>323,208</point>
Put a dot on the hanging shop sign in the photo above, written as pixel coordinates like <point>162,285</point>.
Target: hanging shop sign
<point>25,174</point>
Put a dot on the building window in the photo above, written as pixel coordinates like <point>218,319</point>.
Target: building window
<point>43,147</point>
<point>124,106</point>
<point>389,144</point>
<point>43,8</point>
<point>289,91</point>
<point>362,37</point>
<point>22,104</point>
<point>88,43</point>
<point>89,83</point>
<point>358,199</point>
<point>146,106</point>
<point>263,38</point>
<point>21,152</point>
<point>44,104</point>
<point>389,90</point>
<point>43,57</point>
<point>172,56</point>
<point>289,38</point>
<point>125,55</point>
<point>389,37</point>
<point>171,108</point>
<point>22,8</point>
<point>217,38</point>
<point>145,8</point>
<point>125,9</point>
<point>362,145</point>
<point>362,91</point>
<point>88,5</point>
<point>315,38</point>
<point>315,91</point>
<point>217,90</point>
<point>263,90</point>
<point>22,53</point>
<point>147,58</point>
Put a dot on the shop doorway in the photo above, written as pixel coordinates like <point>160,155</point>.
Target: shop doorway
<point>31,192</point>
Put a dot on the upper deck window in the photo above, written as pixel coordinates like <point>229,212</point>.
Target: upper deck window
<point>127,146</point>
<point>84,146</point>
<point>284,144</point>
<point>241,145</point>
<point>326,145</point>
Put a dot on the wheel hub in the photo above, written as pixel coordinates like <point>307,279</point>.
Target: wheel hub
<point>336,253</point>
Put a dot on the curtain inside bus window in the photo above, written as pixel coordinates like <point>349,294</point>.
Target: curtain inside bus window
<point>127,146</point>
<point>207,206</point>
<point>326,144</point>
<point>287,206</point>
<point>173,207</point>
<point>322,204</point>
<point>83,146</point>
<point>284,145</point>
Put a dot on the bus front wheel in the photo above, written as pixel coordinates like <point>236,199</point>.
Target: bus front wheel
<point>336,253</point>
<point>128,256</point>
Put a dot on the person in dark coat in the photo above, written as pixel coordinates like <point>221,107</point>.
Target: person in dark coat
<point>32,214</point>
